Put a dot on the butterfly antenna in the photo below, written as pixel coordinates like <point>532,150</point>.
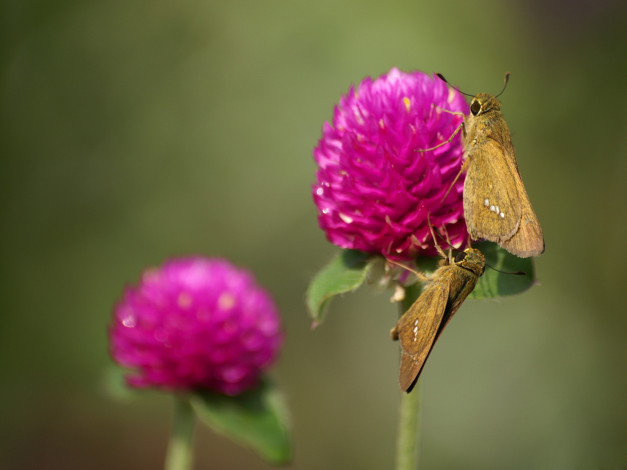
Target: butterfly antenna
<point>441,77</point>
<point>504,85</point>
<point>517,273</point>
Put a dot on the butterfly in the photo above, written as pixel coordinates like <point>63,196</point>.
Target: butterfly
<point>421,325</point>
<point>496,204</point>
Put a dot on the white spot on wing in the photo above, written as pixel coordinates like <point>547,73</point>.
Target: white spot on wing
<point>486,202</point>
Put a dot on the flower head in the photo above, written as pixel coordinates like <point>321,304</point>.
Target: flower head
<point>376,191</point>
<point>196,323</point>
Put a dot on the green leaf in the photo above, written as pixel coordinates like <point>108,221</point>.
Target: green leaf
<point>345,273</point>
<point>256,418</point>
<point>115,386</point>
<point>428,264</point>
<point>496,284</point>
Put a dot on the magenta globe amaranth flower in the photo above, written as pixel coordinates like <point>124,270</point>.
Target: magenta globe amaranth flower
<point>376,191</point>
<point>196,323</point>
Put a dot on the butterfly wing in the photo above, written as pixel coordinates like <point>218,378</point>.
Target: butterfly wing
<point>418,329</point>
<point>528,240</point>
<point>492,206</point>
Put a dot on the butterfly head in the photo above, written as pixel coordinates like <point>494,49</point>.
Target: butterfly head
<point>472,260</point>
<point>484,103</point>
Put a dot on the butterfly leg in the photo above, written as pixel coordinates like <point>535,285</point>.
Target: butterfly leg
<point>450,139</point>
<point>435,241</point>
<point>455,113</point>
<point>450,245</point>
<point>419,275</point>
<point>461,170</point>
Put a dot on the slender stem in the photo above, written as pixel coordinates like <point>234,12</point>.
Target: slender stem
<point>408,435</point>
<point>180,451</point>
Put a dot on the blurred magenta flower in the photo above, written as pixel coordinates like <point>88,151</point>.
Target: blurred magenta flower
<point>375,190</point>
<point>196,323</point>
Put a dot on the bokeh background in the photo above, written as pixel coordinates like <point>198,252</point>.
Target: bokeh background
<point>133,131</point>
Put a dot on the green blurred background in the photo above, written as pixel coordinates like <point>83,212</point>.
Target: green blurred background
<point>133,131</point>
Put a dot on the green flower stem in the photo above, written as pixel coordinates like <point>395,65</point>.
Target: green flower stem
<point>180,449</point>
<point>408,436</point>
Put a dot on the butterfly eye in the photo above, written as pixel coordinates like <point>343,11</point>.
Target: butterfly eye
<point>461,256</point>
<point>475,107</point>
